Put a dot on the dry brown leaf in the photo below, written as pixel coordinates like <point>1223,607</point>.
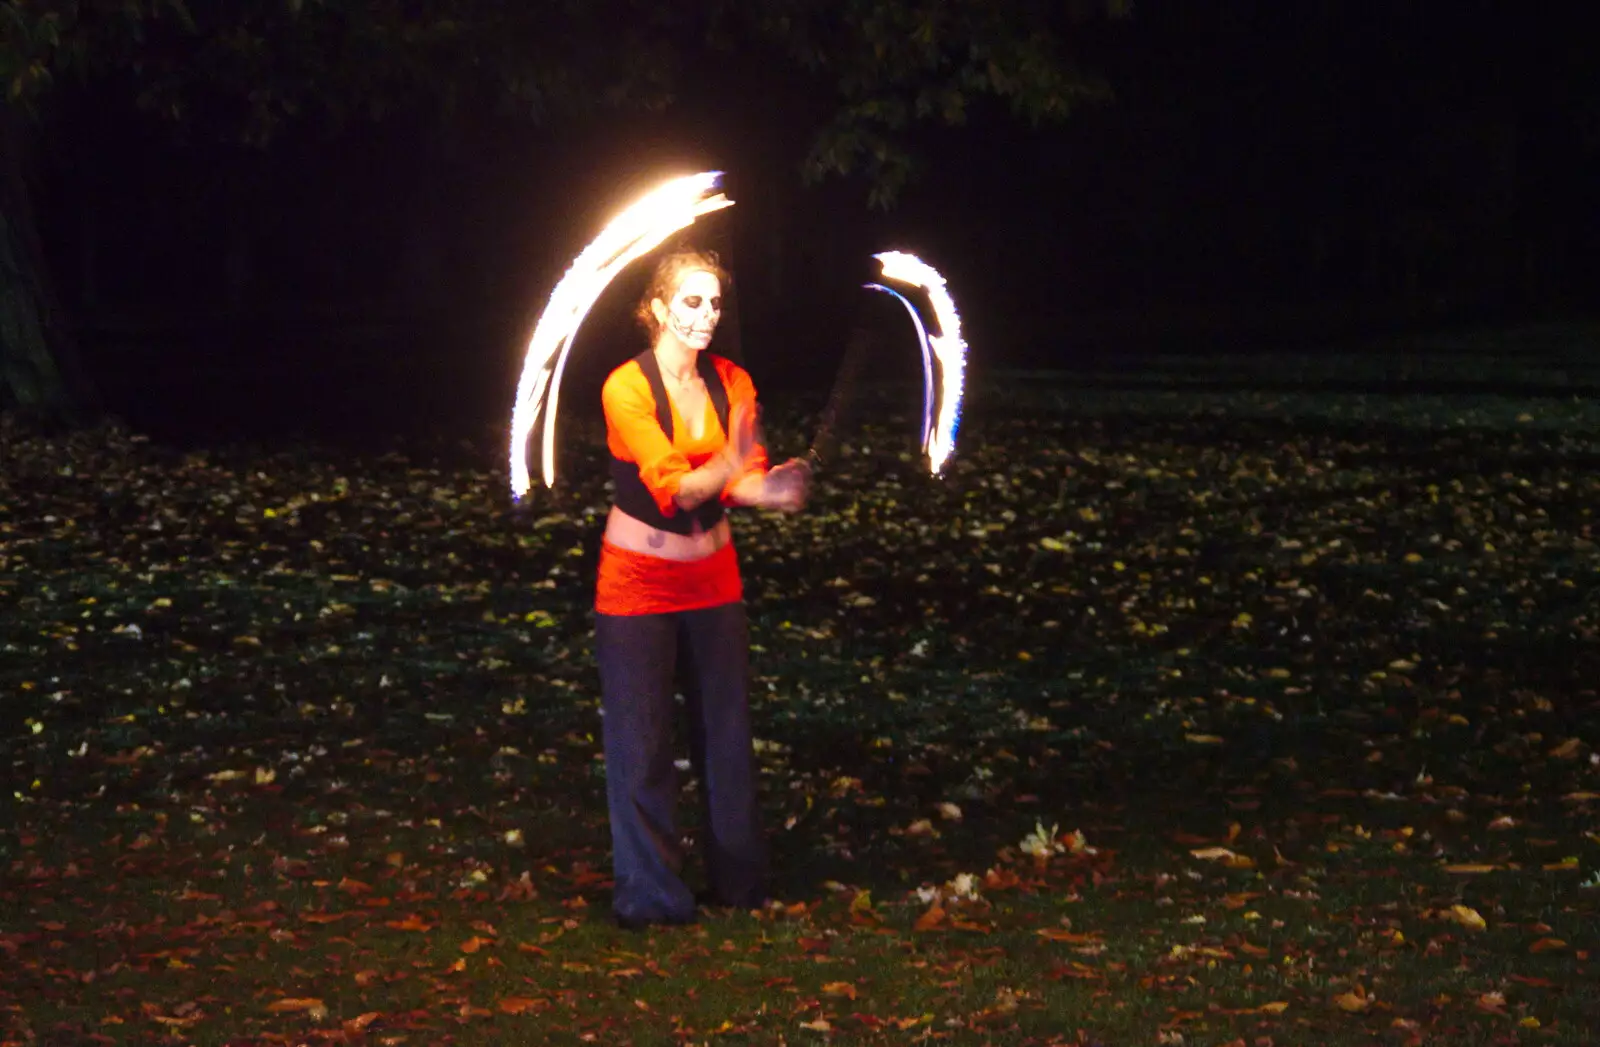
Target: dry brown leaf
<point>1275,1007</point>
<point>324,917</point>
<point>930,919</point>
<point>520,1004</point>
<point>1567,750</point>
<point>1470,868</point>
<point>1547,945</point>
<point>1493,1002</point>
<point>311,1006</point>
<point>361,1021</point>
<point>1061,934</point>
<point>846,989</point>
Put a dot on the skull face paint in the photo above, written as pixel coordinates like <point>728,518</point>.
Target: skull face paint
<point>695,309</point>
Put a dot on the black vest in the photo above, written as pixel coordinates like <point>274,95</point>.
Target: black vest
<point>632,496</point>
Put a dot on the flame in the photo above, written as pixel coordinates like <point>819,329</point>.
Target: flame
<point>948,349</point>
<point>635,232</point>
<point>927,358</point>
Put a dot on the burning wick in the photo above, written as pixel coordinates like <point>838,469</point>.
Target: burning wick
<point>941,406</point>
<point>635,232</point>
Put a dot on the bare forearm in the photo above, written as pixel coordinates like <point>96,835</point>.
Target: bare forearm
<point>704,484</point>
<point>750,490</point>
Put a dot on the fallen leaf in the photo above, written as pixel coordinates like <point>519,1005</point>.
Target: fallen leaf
<point>846,989</point>
<point>930,919</point>
<point>1060,934</point>
<point>1468,918</point>
<point>1567,750</point>
<point>1493,1002</point>
<point>324,917</point>
<point>361,1021</point>
<point>520,1004</point>
<point>1547,945</point>
<point>1227,857</point>
<point>1355,1002</point>
<point>314,1008</point>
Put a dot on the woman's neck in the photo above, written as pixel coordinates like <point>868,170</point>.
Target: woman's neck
<point>676,359</point>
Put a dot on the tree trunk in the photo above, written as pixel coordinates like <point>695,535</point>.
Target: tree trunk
<point>39,372</point>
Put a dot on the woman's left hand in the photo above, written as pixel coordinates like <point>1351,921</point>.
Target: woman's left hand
<point>786,486</point>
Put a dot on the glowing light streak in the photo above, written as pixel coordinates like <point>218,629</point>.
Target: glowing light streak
<point>638,230</point>
<point>947,347</point>
<point>927,357</point>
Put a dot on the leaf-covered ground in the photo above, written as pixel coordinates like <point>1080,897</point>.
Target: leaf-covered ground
<point>1162,718</point>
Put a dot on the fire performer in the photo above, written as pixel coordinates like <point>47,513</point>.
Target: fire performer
<point>681,429</point>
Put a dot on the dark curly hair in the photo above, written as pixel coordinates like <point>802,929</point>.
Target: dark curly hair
<point>670,272</point>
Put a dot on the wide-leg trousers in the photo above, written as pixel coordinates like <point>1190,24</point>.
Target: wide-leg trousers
<point>641,658</point>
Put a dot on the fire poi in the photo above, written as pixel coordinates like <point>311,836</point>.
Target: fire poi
<point>632,234</point>
<point>941,402</point>
<point>644,226</point>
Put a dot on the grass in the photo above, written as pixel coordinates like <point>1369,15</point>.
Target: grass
<point>1202,717</point>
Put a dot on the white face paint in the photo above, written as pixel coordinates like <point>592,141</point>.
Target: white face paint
<point>695,309</point>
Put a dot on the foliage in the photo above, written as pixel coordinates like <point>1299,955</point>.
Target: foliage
<point>1169,718</point>
<point>894,65</point>
<point>242,68</point>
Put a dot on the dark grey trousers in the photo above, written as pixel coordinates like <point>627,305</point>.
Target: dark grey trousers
<point>641,659</point>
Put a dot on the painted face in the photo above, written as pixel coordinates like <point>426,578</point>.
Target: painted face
<point>695,308</point>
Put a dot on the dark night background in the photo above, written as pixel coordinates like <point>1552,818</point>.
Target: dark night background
<point>1268,177</point>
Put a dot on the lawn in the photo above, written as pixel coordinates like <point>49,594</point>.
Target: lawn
<point>1203,717</point>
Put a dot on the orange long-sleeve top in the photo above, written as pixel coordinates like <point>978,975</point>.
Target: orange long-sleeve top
<point>634,583</point>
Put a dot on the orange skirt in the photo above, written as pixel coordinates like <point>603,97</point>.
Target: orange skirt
<point>632,583</point>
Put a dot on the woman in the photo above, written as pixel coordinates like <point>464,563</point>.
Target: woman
<point>680,425</point>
